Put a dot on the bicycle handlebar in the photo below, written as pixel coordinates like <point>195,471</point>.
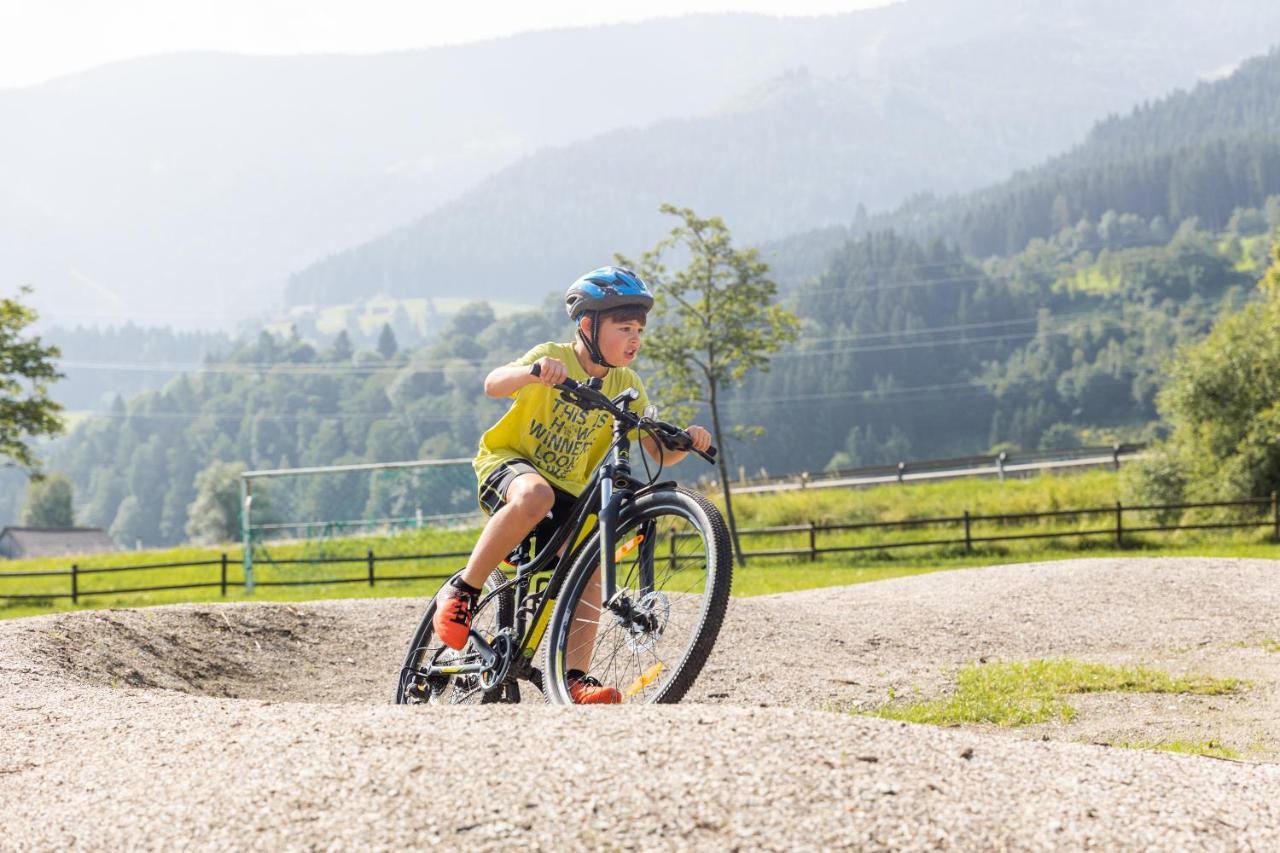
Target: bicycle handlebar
<point>589,397</point>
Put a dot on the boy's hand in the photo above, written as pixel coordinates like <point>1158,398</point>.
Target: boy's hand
<point>553,371</point>
<point>701,438</point>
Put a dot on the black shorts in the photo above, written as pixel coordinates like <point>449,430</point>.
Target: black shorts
<point>493,496</point>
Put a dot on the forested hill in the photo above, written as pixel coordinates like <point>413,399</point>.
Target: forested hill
<point>545,219</point>
<point>100,363</point>
<point>967,92</point>
<point>916,350</point>
<point>1247,102</point>
<point>284,402</point>
<point>908,351</point>
<point>1201,153</point>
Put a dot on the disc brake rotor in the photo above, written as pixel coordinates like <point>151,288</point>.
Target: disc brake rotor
<point>648,620</point>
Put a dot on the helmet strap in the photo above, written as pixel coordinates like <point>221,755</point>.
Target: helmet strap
<point>593,343</point>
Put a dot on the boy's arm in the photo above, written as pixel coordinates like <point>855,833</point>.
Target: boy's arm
<point>510,378</point>
<point>701,441</point>
<point>660,454</point>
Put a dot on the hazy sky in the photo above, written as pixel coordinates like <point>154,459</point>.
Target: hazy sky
<point>40,39</point>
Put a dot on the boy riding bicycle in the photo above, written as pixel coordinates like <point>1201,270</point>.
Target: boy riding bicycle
<point>535,461</point>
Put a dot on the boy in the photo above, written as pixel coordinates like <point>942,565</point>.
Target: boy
<point>535,462</point>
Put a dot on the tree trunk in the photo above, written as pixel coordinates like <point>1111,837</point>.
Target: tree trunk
<point>723,470</point>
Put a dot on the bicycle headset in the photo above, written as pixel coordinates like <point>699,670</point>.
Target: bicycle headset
<point>601,290</point>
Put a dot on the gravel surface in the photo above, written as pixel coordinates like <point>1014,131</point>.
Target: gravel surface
<point>267,726</point>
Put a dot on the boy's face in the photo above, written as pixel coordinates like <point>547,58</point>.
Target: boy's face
<point>620,340</point>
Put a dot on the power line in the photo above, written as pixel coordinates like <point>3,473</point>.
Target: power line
<point>404,416</point>
<point>327,368</point>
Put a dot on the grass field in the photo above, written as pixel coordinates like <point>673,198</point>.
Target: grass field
<point>1021,693</point>
<point>763,575</point>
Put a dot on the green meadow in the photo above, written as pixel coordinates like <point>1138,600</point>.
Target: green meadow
<point>440,552</point>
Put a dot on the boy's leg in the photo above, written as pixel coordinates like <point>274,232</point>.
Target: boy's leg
<point>582,641</point>
<point>527,501</point>
<point>586,620</point>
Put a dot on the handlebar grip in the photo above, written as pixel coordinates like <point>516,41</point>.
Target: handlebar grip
<point>535,369</point>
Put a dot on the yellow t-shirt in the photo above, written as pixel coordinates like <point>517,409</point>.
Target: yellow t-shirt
<point>561,440</point>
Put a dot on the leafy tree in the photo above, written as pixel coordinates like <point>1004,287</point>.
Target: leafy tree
<point>214,516</point>
<point>387,346</point>
<point>715,322</point>
<point>129,526</point>
<point>48,503</point>
<point>26,370</point>
<point>1222,405</point>
<point>1060,437</point>
<point>471,319</point>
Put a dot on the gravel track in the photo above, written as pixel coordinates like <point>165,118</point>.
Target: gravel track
<point>265,726</point>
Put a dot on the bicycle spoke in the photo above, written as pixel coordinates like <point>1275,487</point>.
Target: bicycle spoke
<point>639,663</point>
<point>651,639</point>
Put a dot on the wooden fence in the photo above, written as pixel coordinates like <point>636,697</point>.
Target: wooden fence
<point>968,527</point>
<point>966,531</point>
<point>76,575</point>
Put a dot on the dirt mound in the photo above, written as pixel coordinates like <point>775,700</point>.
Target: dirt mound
<point>325,652</point>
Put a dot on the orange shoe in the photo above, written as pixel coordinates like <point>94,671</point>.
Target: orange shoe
<point>455,604</point>
<point>586,690</point>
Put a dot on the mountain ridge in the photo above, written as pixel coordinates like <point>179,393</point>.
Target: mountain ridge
<point>999,128</point>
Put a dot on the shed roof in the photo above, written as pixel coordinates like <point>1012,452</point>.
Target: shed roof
<point>56,541</point>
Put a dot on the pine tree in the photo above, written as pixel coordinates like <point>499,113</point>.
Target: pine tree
<point>387,346</point>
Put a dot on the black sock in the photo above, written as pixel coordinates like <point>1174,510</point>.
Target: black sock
<point>576,675</point>
<point>464,586</point>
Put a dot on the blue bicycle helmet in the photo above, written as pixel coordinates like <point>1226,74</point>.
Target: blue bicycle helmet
<point>604,289</point>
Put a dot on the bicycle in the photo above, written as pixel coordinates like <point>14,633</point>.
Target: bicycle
<point>665,569</point>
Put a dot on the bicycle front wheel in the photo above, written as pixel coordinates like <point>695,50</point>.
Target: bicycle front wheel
<point>673,570</point>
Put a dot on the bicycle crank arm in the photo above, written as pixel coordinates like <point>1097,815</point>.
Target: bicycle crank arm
<point>488,658</point>
<point>487,655</point>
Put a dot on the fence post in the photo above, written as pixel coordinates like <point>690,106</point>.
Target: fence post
<point>1119,525</point>
<point>1275,517</point>
<point>968,538</point>
<point>673,551</point>
<point>813,542</point>
<point>223,578</point>
<point>1115,456</point>
<point>1000,464</point>
<point>75,591</point>
<point>902,469</point>
<point>370,567</point>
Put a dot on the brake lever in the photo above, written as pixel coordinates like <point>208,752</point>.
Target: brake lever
<point>681,440</point>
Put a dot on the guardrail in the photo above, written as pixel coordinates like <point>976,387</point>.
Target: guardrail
<point>970,530</point>
<point>997,465</point>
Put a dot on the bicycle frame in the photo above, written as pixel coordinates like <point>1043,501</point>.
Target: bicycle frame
<point>610,488</point>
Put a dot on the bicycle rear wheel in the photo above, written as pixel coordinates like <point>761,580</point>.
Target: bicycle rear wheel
<point>674,571</point>
<point>494,615</point>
